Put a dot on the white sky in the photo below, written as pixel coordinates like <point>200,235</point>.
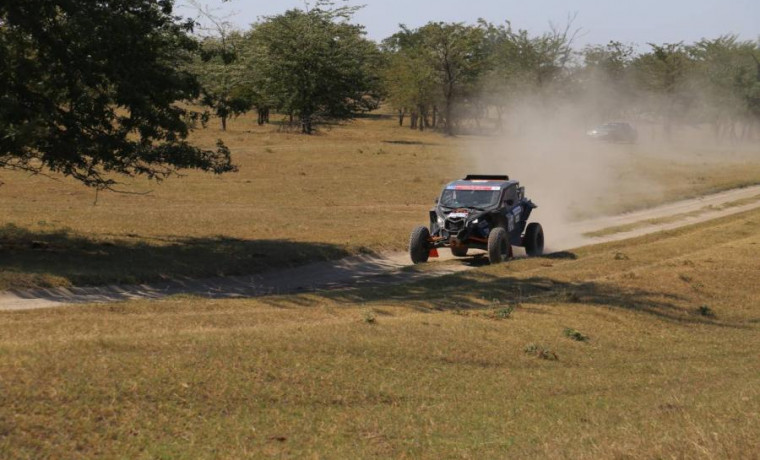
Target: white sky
<point>628,21</point>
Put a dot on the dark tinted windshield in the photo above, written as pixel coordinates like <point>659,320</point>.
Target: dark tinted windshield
<point>469,198</point>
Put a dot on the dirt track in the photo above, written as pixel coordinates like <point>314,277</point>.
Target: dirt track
<point>386,268</point>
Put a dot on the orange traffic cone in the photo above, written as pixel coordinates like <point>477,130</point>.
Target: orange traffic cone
<point>433,252</point>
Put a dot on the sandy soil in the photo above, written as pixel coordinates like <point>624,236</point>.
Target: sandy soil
<point>385,268</point>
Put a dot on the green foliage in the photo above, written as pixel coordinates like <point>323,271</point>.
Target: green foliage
<point>455,53</point>
<point>705,310</point>
<point>90,88</point>
<point>221,72</point>
<point>664,72</point>
<point>471,71</point>
<point>368,317</point>
<point>498,311</point>
<point>613,59</point>
<point>728,76</point>
<point>665,68</point>
<point>607,80</point>
<point>463,69</point>
<point>576,335</point>
<point>504,313</point>
<point>314,64</point>
<point>438,63</point>
<point>541,352</point>
<point>409,82</point>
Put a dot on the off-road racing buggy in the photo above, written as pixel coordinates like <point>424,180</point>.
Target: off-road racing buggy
<point>479,212</point>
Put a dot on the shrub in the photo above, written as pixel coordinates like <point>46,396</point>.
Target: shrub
<point>369,317</point>
<point>704,310</point>
<point>575,335</point>
<point>541,351</point>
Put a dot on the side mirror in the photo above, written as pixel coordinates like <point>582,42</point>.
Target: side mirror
<point>435,200</point>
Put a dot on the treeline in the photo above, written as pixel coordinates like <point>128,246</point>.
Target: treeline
<point>93,90</point>
<point>315,65</point>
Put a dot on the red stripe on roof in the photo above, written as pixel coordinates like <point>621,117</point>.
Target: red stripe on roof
<point>475,187</point>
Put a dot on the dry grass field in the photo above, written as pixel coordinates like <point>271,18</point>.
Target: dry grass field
<point>646,348</point>
<point>356,187</point>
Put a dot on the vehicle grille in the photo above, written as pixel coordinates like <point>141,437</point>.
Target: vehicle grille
<point>455,224</point>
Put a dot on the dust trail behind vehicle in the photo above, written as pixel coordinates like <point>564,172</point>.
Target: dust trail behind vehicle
<point>574,177</point>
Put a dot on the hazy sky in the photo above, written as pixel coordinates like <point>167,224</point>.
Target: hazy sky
<point>629,21</point>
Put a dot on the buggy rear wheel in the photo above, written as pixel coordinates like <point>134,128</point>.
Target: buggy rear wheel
<point>534,240</point>
<point>419,245</point>
<point>499,248</point>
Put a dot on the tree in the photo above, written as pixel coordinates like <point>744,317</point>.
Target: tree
<point>88,89</point>
<point>455,53</point>
<point>511,68</point>
<point>315,64</point>
<point>220,66</point>
<point>221,73</point>
<point>606,79</point>
<point>436,64</point>
<point>521,66</point>
<point>665,72</point>
<point>726,71</point>
<point>409,79</point>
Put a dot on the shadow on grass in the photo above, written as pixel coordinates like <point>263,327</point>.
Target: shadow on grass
<point>462,291</point>
<point>31,259</point>
<point>374,116</point>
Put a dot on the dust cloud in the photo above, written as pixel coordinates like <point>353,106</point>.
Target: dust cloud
<point>573,177</point>
<point>569,176</point>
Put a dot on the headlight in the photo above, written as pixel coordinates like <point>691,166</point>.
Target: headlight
<point>475,221</point>
<point>440,221</point>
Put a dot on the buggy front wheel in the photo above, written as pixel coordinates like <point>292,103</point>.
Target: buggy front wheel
<point>419,245</point>
<point>499,248</point>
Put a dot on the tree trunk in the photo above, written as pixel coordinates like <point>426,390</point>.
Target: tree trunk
<point>449,95</point>
<point>413,117</point>
<point>425,117</point>
<point>306,124</point>
<point>401,113</point>
<point>449,128</point>
<point>224,123</point>
<point>435,117</point>
<point>263,115</point>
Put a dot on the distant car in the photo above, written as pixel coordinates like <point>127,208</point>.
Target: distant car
<point>614,132</point>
